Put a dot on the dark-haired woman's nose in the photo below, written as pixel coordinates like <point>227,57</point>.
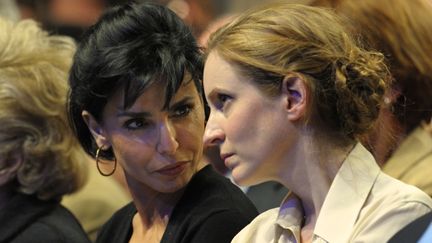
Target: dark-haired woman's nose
<point>167,143</point>
<point>214,134</point>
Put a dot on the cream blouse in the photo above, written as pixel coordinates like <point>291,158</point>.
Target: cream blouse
<point>362,205</point>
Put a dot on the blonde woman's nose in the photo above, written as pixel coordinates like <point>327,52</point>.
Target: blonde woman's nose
<point>213,134</point>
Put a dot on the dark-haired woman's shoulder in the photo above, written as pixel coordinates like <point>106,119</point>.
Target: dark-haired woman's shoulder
<point>212,209</point>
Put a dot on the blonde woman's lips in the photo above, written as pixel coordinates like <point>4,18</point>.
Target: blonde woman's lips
<point>225,158</point>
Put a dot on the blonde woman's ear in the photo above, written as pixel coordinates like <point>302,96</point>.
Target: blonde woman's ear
<point>96,130</point>
<point>295,93</point>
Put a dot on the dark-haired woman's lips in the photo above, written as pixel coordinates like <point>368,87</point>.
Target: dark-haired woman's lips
<point>174,169</point>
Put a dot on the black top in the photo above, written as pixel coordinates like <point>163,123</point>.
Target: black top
<point>413,231</point>
<point>27,219</point>
<point>212,209</point>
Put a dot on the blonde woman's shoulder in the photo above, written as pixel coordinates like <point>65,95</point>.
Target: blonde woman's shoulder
<point>390,206</point>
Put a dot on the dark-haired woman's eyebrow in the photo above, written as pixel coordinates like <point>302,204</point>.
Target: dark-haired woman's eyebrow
<point>143,114</point>
<point>186,100</point>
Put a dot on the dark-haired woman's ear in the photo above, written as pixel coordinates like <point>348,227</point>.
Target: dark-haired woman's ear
<point>96,130</point>
<point>295,93</point>
<point>9,167</point>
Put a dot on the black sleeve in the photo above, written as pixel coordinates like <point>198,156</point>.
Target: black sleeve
<point>220,227</point>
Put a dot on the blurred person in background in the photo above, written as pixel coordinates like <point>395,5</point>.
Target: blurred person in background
<point>402,140</point>
<point>72,18</point>
<point>198,14</point>
<point>100,197</point>
<point>40,162</point>
<point>65,17</point>
<point>402,30</point>
<point>9,10</point>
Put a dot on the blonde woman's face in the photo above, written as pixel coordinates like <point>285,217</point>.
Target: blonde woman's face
<point>248,126</point>
<point>158,149</point>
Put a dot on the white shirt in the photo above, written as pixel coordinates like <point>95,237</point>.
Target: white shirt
<point>362,205</point>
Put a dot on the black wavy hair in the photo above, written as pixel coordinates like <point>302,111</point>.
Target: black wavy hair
<point>130,47</point>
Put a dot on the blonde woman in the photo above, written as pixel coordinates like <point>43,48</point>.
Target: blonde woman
<point>290,93</point>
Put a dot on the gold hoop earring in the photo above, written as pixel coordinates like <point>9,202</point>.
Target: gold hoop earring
<point>97,164</point>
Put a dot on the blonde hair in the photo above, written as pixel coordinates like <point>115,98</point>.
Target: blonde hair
<point>33,90</point>
<point>347,82</point>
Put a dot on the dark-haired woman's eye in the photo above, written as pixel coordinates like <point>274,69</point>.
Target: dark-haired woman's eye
<point>182,110</point>
<point>135,123</point>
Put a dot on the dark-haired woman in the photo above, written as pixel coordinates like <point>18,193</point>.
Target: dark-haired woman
<point>290,93</point>
<point>136,101</point>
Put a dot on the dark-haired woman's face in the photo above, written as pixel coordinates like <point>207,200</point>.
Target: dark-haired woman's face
<point>158,149</point>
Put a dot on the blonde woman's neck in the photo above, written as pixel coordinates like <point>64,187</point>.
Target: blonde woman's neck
<point>314,165</point>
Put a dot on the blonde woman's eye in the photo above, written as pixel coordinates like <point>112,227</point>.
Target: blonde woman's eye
<point>223,97</point>
<point>222,100</point>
